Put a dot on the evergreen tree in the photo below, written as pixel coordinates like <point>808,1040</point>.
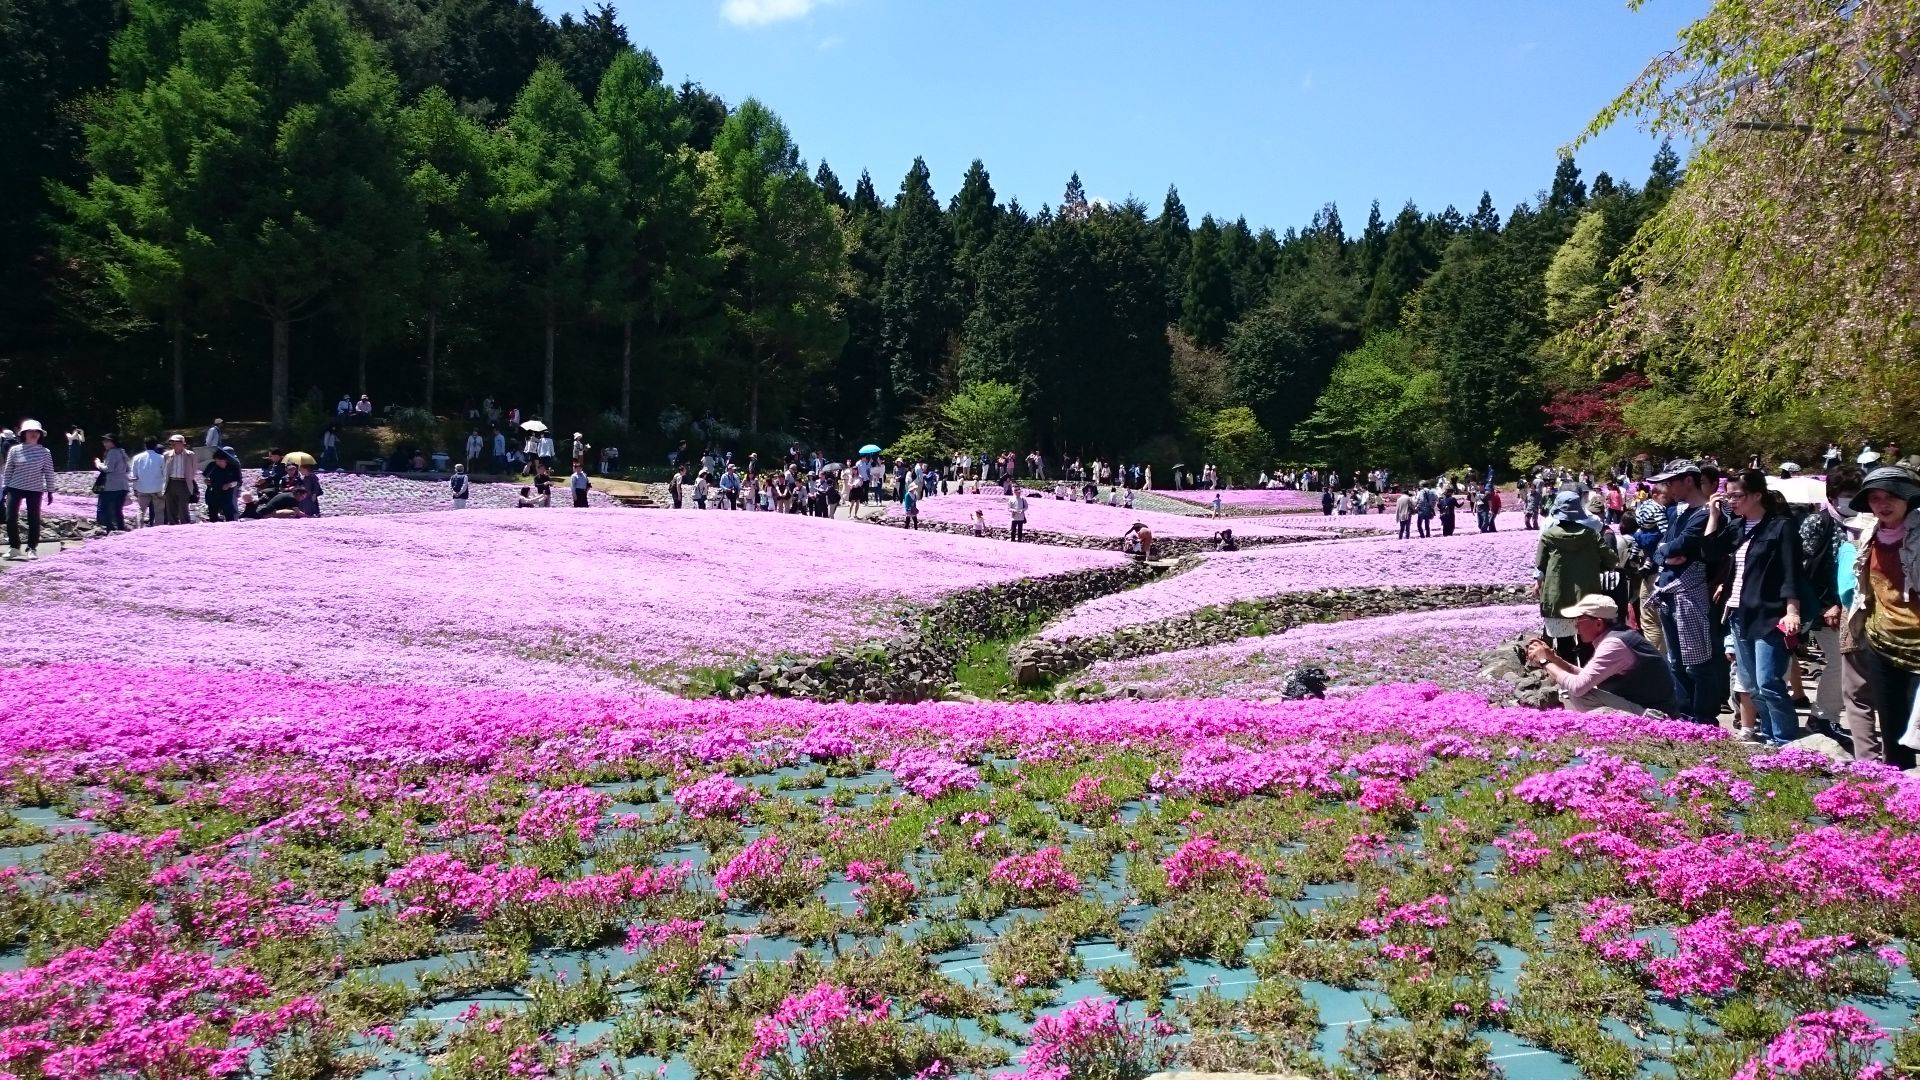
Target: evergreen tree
<point>1568,193</point>
<point>917,292</point>
<point>973,213</point>
<point>866,200</point>
<point>53,52</point>
<point>702,112</point>
<point>1173,250</point>
<point>450,174</point>
<point>1405,263</point>
<point>783,256</point>
<point>1663,178</point>
<point>262,191</point>
<point>1243,267</point>
<point>585,46</point>
<point>1008,327</point>
<point>485,50</point>
<point>830,188</point>
<point>1485,220</point>
<point>1073,203</point>
<point>1207,308</point>
<point>557,193</point>
<point>1373,242</point>
<point>654,245</point>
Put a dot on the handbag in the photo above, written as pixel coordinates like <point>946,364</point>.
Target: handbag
<point>99,481</point>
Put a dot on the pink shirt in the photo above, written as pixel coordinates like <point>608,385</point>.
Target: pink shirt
<point>1610,658</point>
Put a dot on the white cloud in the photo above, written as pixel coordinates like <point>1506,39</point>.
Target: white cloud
<point>831,41</point>
<point>763,12</point>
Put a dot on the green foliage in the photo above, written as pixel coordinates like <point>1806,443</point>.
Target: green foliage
<point>1577,279</point>
<point>917,290</point>
<point>1237,444</point>
<point>986,418</point>
<point>781,255</point>
<point>137,423</point>
<point>1206,307</point>
<point>916,444</point>
<point>1385,405</point>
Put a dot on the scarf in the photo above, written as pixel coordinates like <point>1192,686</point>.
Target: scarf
<point>1890,537</point>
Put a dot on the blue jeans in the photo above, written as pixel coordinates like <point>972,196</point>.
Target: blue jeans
<point>1763,670</point>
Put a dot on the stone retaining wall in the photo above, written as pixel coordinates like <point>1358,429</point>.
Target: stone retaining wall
<point>921,667</point>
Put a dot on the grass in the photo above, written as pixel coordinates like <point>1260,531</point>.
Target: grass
<point>983,671</point>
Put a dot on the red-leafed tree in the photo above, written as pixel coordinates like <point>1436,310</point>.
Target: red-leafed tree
<point>1592,415</point>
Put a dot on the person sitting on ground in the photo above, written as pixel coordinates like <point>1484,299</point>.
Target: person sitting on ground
<point>1626,672</point>
<point>526,499</point>
<point>1223,541</point>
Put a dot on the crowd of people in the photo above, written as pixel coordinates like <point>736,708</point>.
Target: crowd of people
<point>1698,592</point>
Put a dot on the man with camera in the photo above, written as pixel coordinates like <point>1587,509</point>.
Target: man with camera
<point>1626,672</point>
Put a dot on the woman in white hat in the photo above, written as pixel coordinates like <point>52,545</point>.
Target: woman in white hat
<point>27,478</point>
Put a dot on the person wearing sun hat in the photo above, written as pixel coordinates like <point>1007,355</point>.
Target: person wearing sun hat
<point>1626,672</point>
<point>1886,607</point>
<point>1568,561</point>
<point>181,467</point>
<point>27,477</point>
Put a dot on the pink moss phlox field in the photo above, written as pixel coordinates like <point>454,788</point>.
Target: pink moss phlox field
<point>357,494</point>
<point>1203,863</point>
<point>1265,498</point>
<point>587,599</point>
<point>1504,558</point>
<point>1070,517</point>
<point>1444,646</point>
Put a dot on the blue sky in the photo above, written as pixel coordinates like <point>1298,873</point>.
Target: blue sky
<point>1266,108</point>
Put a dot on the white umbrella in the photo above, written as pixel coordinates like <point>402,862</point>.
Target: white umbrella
<point>1800,490</point>
<point>533,425</point>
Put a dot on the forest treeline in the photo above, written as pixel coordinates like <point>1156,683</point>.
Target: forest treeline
<point>247,206</point>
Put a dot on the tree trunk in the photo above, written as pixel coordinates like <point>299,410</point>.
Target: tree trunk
<point>626,373</point>
<point>546,383</point>
<point>363,354</point>
<point>433,326</point>
<point>753,405</point>
<point>282,332</point>
<point>179,369</point>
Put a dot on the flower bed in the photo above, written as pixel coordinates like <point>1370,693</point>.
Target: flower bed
<point>1066,517</point>
<point>354,494</point>
<point>509,598</point>
<point>1271,499</point>
<point>1501,558</point>
<point>1433,646</point>
<point>499,884</point>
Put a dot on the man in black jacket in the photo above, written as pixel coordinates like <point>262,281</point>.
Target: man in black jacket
<point>1689,624</point>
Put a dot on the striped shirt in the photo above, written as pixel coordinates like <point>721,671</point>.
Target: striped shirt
<point>29,467</point>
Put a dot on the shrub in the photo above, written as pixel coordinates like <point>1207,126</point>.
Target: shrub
<point>140,422</point>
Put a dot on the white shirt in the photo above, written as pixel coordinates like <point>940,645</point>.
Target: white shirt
<point>213,437</point>
<point>149,470</point>
<point>473,446</point>
<point>363,406</point>
<point>546,446</point>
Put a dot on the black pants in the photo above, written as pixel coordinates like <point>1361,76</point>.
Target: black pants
<point>16,496</point>
<point>580,498</point>
<point>221,506</point>
<point>1891,686</point>
<point>1019,530</point>
<point>1446,525</point>
<point>282,501</point>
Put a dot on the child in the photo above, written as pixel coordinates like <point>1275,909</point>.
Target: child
<point>979,523</point>
<point>910,502</point>
<point>580,483</point>
<point>1216,505</point>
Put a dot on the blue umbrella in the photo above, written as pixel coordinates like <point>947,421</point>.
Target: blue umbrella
<point>869,449</point>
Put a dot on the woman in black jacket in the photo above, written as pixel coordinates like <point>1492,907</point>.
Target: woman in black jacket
<point>1763,599</point>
